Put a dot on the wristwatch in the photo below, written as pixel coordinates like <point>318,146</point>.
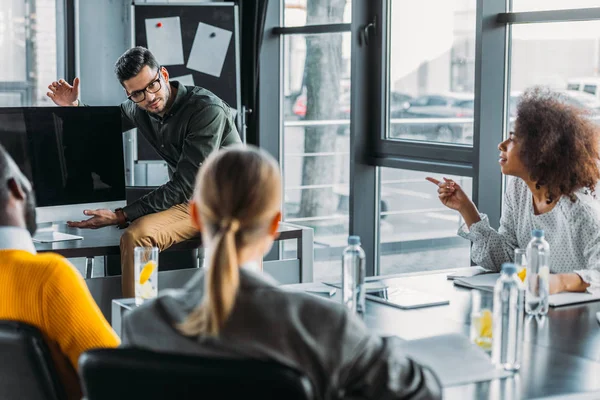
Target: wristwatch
<point>122,222</point>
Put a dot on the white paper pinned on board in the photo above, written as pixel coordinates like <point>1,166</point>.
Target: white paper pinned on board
<point>209,49</point>
<point>164,40</point>
<point>185,80</point>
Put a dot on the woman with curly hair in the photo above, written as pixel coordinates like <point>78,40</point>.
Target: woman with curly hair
<point>552,158</point>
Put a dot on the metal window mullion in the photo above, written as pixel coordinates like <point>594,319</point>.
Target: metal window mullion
<point>424,165</point>
<point>311,29</point>
<point>434,151</point>
<point>528,17</point>
<point>491,65</point>
<point>365,97</point>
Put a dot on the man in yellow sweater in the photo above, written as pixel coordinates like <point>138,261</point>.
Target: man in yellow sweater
<point>44,290</point>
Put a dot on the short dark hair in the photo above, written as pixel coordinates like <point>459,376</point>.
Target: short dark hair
<point>8,170</point>
<point>5,175</point>
<point>132,61</point>
<point>560,143</point>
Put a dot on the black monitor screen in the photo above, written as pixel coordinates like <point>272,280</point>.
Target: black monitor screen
<point>71,155</point>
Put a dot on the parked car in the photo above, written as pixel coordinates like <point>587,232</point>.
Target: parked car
<point>398,101</point>
<point>590,85</point>
<point>585,101</point>
<point>435,108</point>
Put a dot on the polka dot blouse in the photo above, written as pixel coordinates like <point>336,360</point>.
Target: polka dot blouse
<point>571,228</point>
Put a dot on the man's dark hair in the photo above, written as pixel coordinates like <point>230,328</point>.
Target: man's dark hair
<point>6,173</point>
<point>132,61</point>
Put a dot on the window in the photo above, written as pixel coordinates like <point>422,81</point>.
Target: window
<point>554,54</point>
<point>28,40</point>
<point>319,12</point>
<point>544,5</point>
<point>417,231</point>
<point>590,89</point>
<point>432,66</point>
<point>316,140</point>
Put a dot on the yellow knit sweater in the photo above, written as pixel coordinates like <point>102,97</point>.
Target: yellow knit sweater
<point>46,291</point>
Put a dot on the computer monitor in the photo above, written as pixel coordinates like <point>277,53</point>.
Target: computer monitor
<point>73,157</point>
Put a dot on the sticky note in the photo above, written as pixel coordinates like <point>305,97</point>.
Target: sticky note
<point>164,40</point>
<point>209,49</point>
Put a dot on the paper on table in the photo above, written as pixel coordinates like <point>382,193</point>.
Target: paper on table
<point>565,299</point>
<point>186,80</point>
<point>209,49</point>
<point>481,282</point>
<point>164,40</point>
<point>487,282</point>
<point>466,272</point>
<point>369,286</point>
<point>313,287</point>
<point>454,359</point>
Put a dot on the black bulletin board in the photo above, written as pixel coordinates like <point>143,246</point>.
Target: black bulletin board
<point>222,15</point>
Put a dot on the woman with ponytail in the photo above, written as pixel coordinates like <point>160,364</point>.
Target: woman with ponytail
<point>230,308</point>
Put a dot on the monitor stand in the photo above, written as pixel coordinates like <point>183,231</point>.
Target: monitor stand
<point>49,233</point>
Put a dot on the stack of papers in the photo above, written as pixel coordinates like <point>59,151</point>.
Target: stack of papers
<point>480,282</point>
<point>454,359</point>
<point>487,281</point>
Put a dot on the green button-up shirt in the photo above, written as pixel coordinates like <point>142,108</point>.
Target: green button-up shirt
<point>197,124</point>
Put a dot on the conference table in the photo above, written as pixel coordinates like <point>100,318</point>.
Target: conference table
<point>105,242</point>
<point>561,352</point>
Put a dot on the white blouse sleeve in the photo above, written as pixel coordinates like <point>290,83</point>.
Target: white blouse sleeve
<point>491,248</point>
<point>590,234</point>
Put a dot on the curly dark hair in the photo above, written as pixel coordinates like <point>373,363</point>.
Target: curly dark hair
<point>560,144</point>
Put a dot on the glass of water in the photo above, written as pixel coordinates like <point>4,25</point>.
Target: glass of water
<point>482,305</point>
<point>521,263</point>
<point>145,273</point>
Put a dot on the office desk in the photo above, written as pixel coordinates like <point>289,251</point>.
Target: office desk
<point>105,242</point>
<point>561,353</point>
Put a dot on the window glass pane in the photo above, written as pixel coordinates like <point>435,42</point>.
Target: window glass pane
<point>28,41</point>
<point>316,143</point>
<point>560,56</point>
<point>314,12</point>
<point>417,232</point>
<point>544,5</point>
<point>432,70</point>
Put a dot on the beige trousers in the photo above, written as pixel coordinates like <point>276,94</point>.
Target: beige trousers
<point>162,229</point>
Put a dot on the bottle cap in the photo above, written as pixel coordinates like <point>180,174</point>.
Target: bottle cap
<point>509,268</point>
<point>537,233</point>
<point>354,240</point>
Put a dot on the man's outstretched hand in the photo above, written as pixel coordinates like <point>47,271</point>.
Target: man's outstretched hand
<point>100,219</point>
<point>63,94</point>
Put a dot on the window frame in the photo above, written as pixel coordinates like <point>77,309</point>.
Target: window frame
<point>370,98</point>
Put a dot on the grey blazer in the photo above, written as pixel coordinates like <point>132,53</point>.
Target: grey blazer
<point>315,335</point>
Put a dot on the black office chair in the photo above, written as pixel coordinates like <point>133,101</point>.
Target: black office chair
<point>27,370</point>
<point>128,373</point>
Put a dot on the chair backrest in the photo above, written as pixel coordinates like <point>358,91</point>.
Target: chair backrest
<point>27,370</point>
<point>128,373</point>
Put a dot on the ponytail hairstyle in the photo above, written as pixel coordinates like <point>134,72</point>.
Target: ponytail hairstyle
<point>237,195</point>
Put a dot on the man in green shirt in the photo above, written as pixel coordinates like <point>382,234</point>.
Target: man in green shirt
<point>184,124</point>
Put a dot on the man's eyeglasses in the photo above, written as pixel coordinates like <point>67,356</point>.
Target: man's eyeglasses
<point>140,95</point>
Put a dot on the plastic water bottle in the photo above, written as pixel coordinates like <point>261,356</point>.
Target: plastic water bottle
<point>507,325</point>
<point>538,271</point>
<point>353,276</point>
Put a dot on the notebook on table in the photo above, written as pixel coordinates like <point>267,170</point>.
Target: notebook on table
<point>487,281</point>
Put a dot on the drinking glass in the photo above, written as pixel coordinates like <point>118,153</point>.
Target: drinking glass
<point>145,273</point>
<point>521,263</point>
<point>482,303</point>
